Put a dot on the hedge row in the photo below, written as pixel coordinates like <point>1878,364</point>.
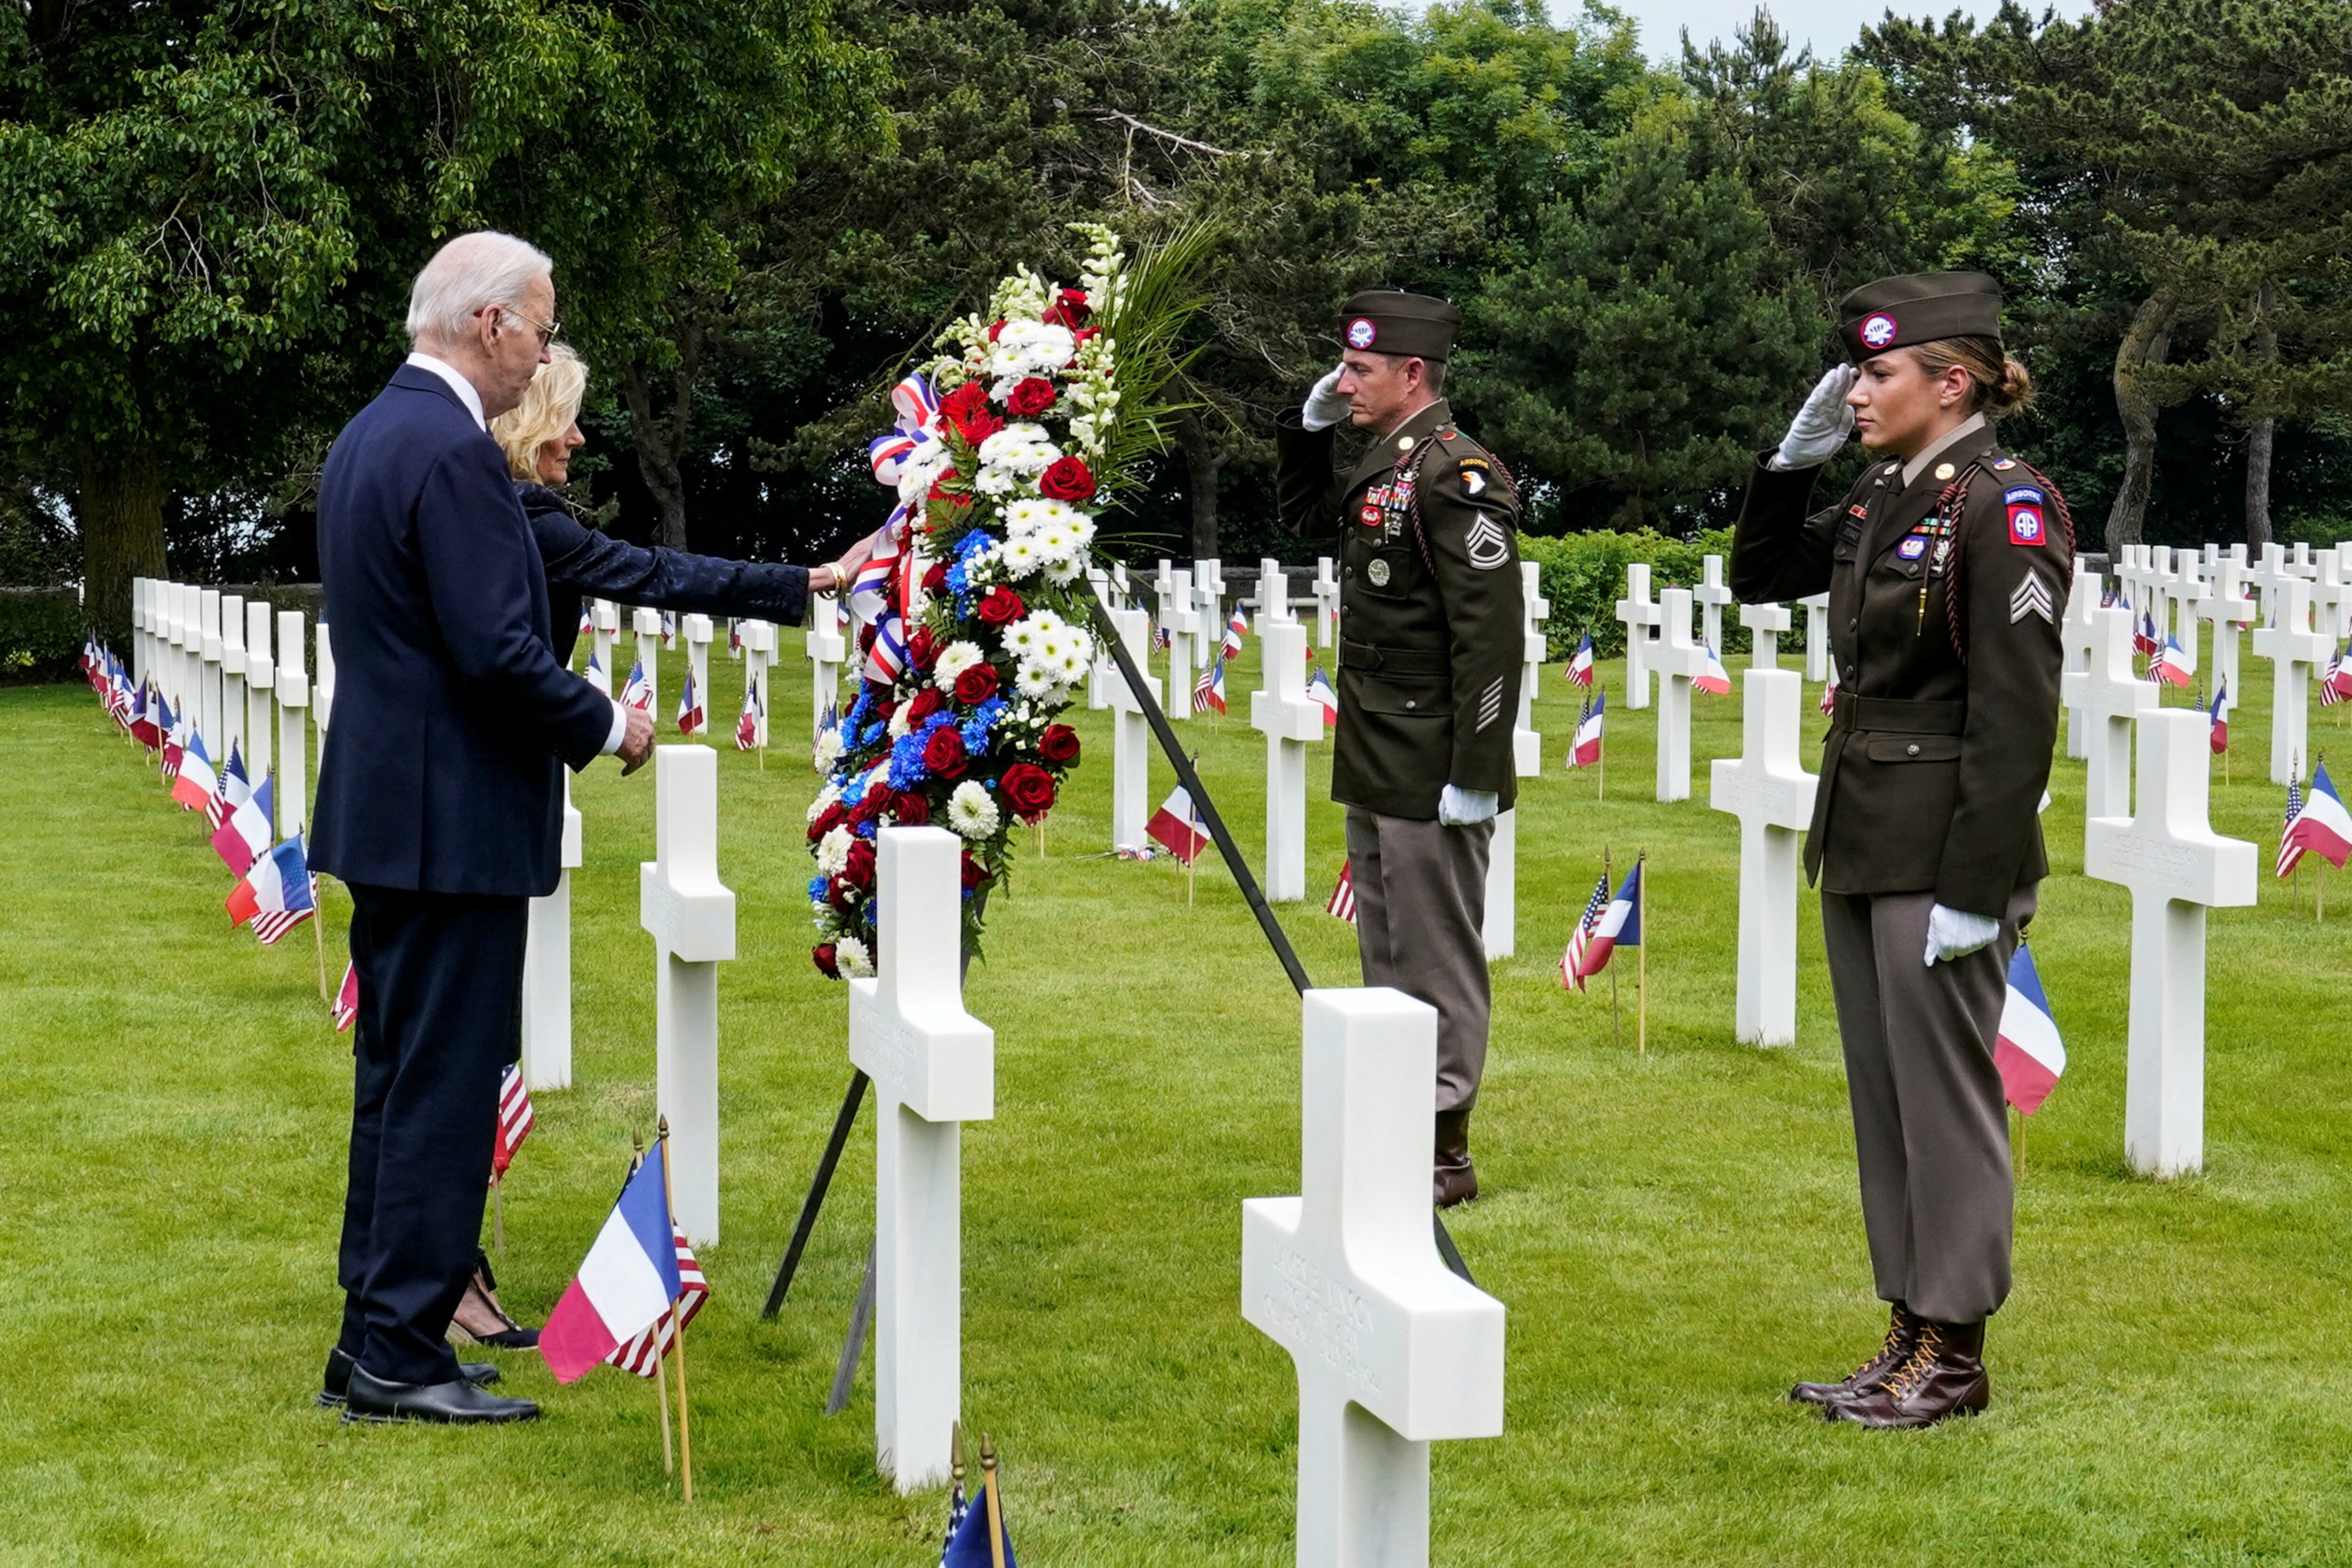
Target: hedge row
<point>40,634</point>
<point>1584,577</point>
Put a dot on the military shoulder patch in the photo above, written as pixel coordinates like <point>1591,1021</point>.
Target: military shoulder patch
<point>1473,479</point>
<point>1488,544</point>
<point>2024,505</point>
<point>2031,597</point>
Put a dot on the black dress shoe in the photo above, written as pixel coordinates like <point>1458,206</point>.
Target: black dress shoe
<point>337,1385</point>
<point>458,1402</point>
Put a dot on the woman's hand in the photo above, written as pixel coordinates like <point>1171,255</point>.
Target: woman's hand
<point>1821,426</point>
<point>834,577</point>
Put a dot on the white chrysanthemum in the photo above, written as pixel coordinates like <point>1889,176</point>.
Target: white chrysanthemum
<point>1054,542</point>
<point>1020,556</point>
<point>1023,449</point>
<point>1046,621</point>
<point>829,794</point>
<point>850,957</point>
<point>1081,527</point>
<point>1031,512</point>
<point>995,483</point>
<point>832,851</point>
<point>1020,637</point>
<point>1035,680</point>
<point>1031,348</point>
<point>1063,573</point>
<point>1070,667</point>
<point>1077,641</point>
<point>972,810</point>
<point>954,660</point>
<point>899,721</point>
<point>828,752</point>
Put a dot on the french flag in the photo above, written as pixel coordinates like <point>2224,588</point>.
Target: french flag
<point>638,692</point>
<point>1714,680</point>
<point>2217,735</point>
<point>2171,665</point>
<point>192,782</point>
<point>1178,826</point>
<point>1580,664</point>
<point>1585,750</point>
<point>231,792</point>
<point>596,674</point>
<point>1318,686</point>
<point>244,837</point>
<point>2322,828</point>
<point>1620,926</point>
<point>2029,1053</point>
<point>625,1283</point>
<point>2143,635</point>
<point>1236,629</point>
<point>276,883</point>
<point>689,708</point>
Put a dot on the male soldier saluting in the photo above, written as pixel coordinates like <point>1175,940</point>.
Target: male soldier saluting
<point>1429,669</point>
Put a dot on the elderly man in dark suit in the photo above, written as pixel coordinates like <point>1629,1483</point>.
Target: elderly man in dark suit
<point>440,804</point>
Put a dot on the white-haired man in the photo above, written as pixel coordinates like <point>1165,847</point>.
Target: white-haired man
<point>440,806</point>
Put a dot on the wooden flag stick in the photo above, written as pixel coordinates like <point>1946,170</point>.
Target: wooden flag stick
<point>661,1381</point>
<point>499,1211</point>
<point>1616,1018</point>
<point>677,1338</point>
<point>319,935</point>
<point>1642,966</point>
<point>995,1508</point>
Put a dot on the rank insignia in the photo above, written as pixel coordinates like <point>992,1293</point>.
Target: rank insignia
<point>1913,547</point>
<point>2031,597</point>
<point>1489,546</point>
<point>2024,504</point>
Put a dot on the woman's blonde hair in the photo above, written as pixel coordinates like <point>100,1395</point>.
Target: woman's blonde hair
<point>1997,384</point>
<point>548,406</point>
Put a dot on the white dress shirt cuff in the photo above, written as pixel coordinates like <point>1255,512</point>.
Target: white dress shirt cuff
<point>620,729</point>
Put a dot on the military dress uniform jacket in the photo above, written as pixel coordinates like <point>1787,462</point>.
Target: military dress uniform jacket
<point>1945,717</point>
<point>1432,638</point>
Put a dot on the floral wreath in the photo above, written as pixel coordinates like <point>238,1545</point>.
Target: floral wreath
<point>972,611</point>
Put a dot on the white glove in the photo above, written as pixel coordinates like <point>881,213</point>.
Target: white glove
<point>1327,405</point>
<point>1821,426</point>
<point>1460,807</point>
<point>1954,934</point>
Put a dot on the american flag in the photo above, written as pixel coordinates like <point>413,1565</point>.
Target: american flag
<point>747,729</point>
<point>1829,692</point>
<point>957,1508</point>
<point>347,999</point>
<point>230,790</point>
<point>515,1119</point>
<point>1580,664</point>
<point>2331,685</point>
<point>272,923</point>
<point>2289,851</point>
<point>643,1354</point>
<point>1163,640</point>
<point>1343,896</point>
<point>1209,690</point>
<point>1573,959</point>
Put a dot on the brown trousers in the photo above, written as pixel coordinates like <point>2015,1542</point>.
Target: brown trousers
<point>1421,927</point>
<point>1930,1124</point>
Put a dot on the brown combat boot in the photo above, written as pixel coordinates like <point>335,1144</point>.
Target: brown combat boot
<point>1454,1180</point>
<point>1943,1375</point>
<point>1902,1334</point>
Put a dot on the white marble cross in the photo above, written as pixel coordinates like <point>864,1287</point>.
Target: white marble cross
<point>2224,604</point>
<point>690,915</point>
<point>2331,596</point>
<point>1766,625</point>
<point>698,637</point>
<point>2074,643</point>
<point>827,649</point>
<point>1130,756</point>
<point>2269,578</point>
<point>293,686</point>
<point>759,658</point>
<point>233,680</point>
<point>546,968</point>
<point>2293,649</point>
<point>1639,613</point>
<point>1817,637</point>
<point>1290,720</point>
<point>260,689</point>
<point>1104,670</point>
<point>1327,601</point>
<point>1122,592</point>
<point>2177,867</point>
<point>647,623</point>
<point>1678,660</point>
<point>1392,1349</point>
<point>1177,617</point>
<point>1769,791</point>
<point>934,1068</point>
<point>1712,596</point>
<point>605,627</point>
<point>139,631</point>
<point>208,721</point>
<point>1501,930</point>
<point>2110,697</point>
<point>322,702</point>
<point>1273,594</point>
<point>174,641</point>
<point>1209,602</point>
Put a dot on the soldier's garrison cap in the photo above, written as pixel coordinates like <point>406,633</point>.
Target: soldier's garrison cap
<point>1917,307</point>
<point>1390,321</point>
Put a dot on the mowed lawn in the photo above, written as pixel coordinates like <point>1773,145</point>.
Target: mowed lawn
<point>1676,1235</point>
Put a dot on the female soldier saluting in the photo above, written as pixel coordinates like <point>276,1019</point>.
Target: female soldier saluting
<point>1947,567</point>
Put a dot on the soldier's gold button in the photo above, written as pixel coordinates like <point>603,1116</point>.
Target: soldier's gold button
<point>1945,470</point>
<point>1409,702</point>
<point>1912,749</point>
<point>1404,443</point>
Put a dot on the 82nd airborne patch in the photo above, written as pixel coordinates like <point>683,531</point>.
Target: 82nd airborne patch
<point>2024,504</point>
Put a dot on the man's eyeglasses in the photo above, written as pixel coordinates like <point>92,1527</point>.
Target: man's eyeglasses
<point>547,330</point>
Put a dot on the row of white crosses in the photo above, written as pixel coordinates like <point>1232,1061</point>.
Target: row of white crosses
<point>1501,927</point>
<point>1291,721</point>
<point>235,667</point>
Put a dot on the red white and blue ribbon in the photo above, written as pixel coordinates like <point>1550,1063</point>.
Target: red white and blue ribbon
<point>879,594</point>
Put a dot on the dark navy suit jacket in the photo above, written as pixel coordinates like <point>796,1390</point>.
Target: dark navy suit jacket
<point>452,714</point>
<point>581,559</point>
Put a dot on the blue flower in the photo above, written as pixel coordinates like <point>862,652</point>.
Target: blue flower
<point>975,737</point>
<point>872,733</point>
<point>958,582</point>
<point>907,768</point>
<point>816,889</point>
<point>972,544</point>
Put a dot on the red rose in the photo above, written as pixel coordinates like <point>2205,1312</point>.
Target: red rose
<point>1028,790</point>
<point>859,872</point>
<point>1030,397</point>
<point>1001,606</point>
<point>826,820</point>
<point>1087,334</point>
<point>964,401</point>
<point>994,331</point>
<point>911,809</point>
<point>884,707</point>
<point>1067,479</point>
<point>974,873</point>
<point>922,648</point>
<point>943,753</point>
<point>827,963</point>
<point>927,702</point>
<point>935,580</point>
<point>979,428</point>
<point>976,685</point>
<point>840,894</point>
<point>1058,745</point>
<point>1071,308</point>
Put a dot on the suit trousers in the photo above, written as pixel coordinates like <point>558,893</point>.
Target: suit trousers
<point>440,995</point>
<point>1930,1123</point>
<point>1421,927</point>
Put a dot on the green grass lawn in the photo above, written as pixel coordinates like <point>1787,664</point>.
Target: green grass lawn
<point>1676,1236</point>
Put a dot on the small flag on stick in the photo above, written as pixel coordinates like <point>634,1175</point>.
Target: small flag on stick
<point>2028,1052</point>
<point>347,999</point>
<point>1342,905</point>
<point>1580,664</point>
